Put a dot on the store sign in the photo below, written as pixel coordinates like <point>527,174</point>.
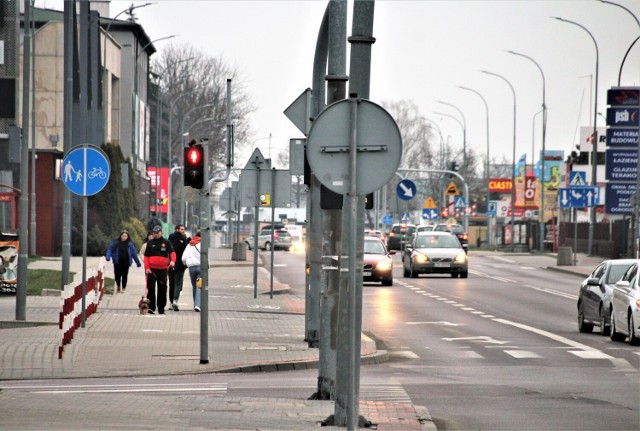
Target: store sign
<point>500,185</point>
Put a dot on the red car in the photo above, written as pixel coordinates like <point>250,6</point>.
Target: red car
<point>378,264</point>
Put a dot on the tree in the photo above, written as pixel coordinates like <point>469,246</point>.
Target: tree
<point>193,89</point>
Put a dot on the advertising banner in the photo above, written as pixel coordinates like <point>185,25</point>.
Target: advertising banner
<point>9,247</point>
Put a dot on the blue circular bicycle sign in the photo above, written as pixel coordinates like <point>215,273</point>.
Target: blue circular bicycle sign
<point>86,170</point>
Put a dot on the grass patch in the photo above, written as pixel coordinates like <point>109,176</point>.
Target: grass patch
<point>39,279</point>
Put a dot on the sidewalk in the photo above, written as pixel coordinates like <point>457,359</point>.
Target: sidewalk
<point>246,334</point>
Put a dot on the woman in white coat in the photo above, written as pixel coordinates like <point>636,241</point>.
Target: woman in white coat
<point>191,259</point>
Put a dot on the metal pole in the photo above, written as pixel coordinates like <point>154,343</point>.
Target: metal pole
<point>513,161</point>
<point>69,12</point>
<point>544,136</point>
<point>273,229</point>
<point>464,131</point>
<point>486,170</point>
<point>23,253</point>
<point>594,152</point>
<point>32,230</point>
<point>204,261</point>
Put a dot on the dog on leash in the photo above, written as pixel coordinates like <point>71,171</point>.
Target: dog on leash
<point>143,305</point>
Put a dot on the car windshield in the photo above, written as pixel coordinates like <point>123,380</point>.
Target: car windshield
<point>454,228</point>
<point>374,247</point>
<point>437,241</point>
<point>616,272</point>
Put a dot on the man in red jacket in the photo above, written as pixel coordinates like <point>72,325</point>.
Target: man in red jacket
<point>158,257</point>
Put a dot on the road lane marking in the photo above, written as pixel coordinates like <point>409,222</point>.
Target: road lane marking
<point>441,323</point>
<point>590,354</point>
<point>482,339</point>
<point>521,354</point>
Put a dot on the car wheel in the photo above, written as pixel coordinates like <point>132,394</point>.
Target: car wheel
<point>464,274</point>
<point>387,282</point>
<point>413,273</point>
<point>267,246</point>
<point>633,337</point>
<point>615,335</point>
<point>454,275</point>
<point>604,325</point>
<point>582,325</point>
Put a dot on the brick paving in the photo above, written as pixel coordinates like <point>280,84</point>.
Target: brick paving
<point>245,334</point>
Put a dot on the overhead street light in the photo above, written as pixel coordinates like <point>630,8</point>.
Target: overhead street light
<point>544,135</point>
<point>594,152</point>
<point>513,161</point>
<point>486,171</point>
<point>464,131</point>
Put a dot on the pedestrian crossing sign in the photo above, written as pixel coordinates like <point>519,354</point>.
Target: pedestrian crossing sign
<point>577,178</point>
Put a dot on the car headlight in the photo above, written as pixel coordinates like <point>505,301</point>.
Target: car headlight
<point>461,257</point>
<point>384,265</point>
<point>420,258</point>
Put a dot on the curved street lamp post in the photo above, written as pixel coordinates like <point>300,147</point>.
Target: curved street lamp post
<point>544,134</point>
<point>594,151</point>
<point>486,171</point>
<point>513,162</point>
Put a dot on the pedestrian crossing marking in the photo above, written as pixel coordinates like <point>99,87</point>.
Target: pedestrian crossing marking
<point>590,354</point>
<point>521,354</point>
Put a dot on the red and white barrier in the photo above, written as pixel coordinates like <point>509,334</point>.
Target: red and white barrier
<point>71,302</point>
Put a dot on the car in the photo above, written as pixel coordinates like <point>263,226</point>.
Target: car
<point>399,235</point>
<point>281,240</point>
<point>435,252</point>
<point>457,230</point>
<point>376,233</point>
<point>424,228</point>
<point>625,307</point>
<point>595,293</point>
<point>378,264</point>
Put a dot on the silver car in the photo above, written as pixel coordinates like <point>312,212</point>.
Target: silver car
<point>625,307</point>
<point>595,293</point>
<point>434,253</point>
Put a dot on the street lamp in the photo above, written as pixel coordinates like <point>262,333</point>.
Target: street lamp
<point>594,152</point>
<point>464,131</point>
<point>444,114</point>
<point>486,172</point>
<point>513,162</point>
<point>544,134</point>
<point>632,43</point>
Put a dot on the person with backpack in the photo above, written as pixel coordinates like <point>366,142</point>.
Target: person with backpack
<point>158,258</point>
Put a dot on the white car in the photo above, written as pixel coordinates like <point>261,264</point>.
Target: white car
<point>625,307</point>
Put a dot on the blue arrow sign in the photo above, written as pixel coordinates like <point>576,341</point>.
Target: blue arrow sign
<point>85,170</point>
<point>429,213</point>
<point>406,189</point>
<point>578,197</point>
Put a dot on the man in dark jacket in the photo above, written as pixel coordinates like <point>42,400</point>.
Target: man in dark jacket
<point>179,241</point>
<point>158,257</point>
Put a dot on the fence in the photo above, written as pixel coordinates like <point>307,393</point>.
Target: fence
<point>71,302</point>
<point>610,239</point>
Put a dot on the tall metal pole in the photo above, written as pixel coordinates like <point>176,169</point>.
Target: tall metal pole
<point>32,230</point>
<point>23,253</point>
<point>544,136</point>
<point>594,152</point>
<point>69,29</point>
<point>513,161</point>
<point>487,165</point>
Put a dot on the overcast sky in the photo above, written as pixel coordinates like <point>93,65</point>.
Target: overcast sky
<point>424,50</point>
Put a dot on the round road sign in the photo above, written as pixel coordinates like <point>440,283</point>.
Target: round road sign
<point>379,146</point>
<point>86,170</point>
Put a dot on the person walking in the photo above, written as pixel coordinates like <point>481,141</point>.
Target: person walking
<point>158,257</point>
<point>123,253</point>
<point>179,241</point>
<point>191,259</point>
<point>153,222</point>
<point>144,244</point>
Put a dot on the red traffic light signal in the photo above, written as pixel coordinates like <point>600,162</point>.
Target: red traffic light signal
<point>194,166</point>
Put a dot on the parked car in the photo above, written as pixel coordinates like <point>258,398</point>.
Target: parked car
<point>595,293</point>
<point>399,235</point>
<point>434,253</point>
<point>281,240</point>
<point>457,230</point>
<point>378,264</point>
<point>625,307</point>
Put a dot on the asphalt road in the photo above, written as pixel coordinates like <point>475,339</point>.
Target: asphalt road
<point>499,350</point>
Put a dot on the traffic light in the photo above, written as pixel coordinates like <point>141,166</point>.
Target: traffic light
<point>453,166</point>
<point>445,212</point>
<point>194,166</point>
